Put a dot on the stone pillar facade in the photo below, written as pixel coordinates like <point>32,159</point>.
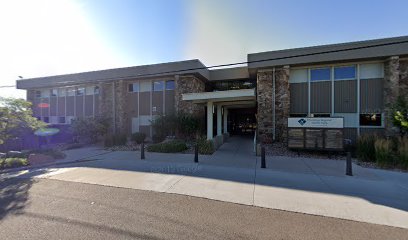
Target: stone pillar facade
<point>391,90</point>
<point>282,103</point>
<point>403,81</point>
<point>265,104</point>
<point>188,84</point>
<point>121,115</point>
<point>264,90</point>
<point>106,102</point>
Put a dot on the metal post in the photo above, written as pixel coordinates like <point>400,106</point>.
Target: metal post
<point>263,163</point>
<point>349,170</point>
<point>196,153</point>
<point>142,151</point>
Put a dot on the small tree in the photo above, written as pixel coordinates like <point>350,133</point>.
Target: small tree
<point>400,114</point>
<point>89,128</point>
<point>16,119</point>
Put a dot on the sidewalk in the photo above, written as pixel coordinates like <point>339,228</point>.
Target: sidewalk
<point>309,186</point>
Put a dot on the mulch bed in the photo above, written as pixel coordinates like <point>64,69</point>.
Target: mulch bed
<point>280,149</point>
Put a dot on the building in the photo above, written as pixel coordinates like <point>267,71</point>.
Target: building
<point>356,81</point>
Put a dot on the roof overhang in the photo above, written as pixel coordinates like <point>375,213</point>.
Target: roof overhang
<point>225,97</point>
<point>193,67</point>
<point>371,49</point>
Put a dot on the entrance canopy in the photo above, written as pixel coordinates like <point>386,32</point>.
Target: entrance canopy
<point>222,100</point>
<point>231,96</point>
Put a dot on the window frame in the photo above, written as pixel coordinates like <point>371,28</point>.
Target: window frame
<point>161,84</point>
<point>170,89</point>
<point>77,90</point>
<point>133,87</point>
<point>371,126</point>
<point>52,92</point>
<point>344,66</point>
<point>320,68</point>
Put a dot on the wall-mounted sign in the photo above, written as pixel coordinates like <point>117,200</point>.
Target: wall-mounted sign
<point>316,122</point>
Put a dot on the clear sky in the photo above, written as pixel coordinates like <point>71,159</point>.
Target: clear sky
<point>49,37</point>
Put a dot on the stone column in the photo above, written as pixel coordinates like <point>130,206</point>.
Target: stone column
<point>209,120</point>
<point>188,84</point>
<point>219,120</point>
<point>265,104</point>
<point>120,103</point>
<point>391,90</point>
<point>264,99</point>
<point>106,102</point>
<point>225,120</point>
<point>403,81</point>
<point>282,103</point>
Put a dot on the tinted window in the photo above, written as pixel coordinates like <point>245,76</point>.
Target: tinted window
<point>96,90</point>
<point>38,94</point>
<point>320,74</point>
<point>348,72</point>
<point>80,91</point>
<point>134,87</point>
<point>370,119</point>
<point>170,85</point>
<point>158,86</point>
<point>54,92</point>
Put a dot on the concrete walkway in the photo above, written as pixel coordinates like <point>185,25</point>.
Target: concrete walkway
<point>309,186</point>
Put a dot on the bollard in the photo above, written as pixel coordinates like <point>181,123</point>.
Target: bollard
<point>349,170</point>
<point>196,154</point>
<point>263,163</point>
<point>142,153</point>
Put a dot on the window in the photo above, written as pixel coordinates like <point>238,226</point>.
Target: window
<point>371,119</point>
<point>61,120</point>
<point>96,90</point>
<point>371,70</point>
<point>170,85</point>
<point>37,94</point>
<point>54,92</point>
<point>320,74</point>
<point>158,86</point>
<point>298,76</point>
<point>298,115</point>
<point>46,119</point>
<point>347,72</point>
<point>62,92</point>
<point>320,115</point>
<point>134,87</point>
<point>89,90</point>
<point>45,93</point>
<point>80,91</point>
<point>70,92</point>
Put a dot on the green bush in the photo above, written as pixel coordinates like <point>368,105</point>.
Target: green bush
<point>383,152</point>
<point>115,140</point>
<point>205,146</point>
<point>13,162</point>
<point>89,128</point>
<point>366,148</point>
<point>138,137</point>
<point>168,147</point>
<point>403,152</point>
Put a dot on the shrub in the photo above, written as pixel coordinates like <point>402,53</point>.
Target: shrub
<point>205,146</point>
<point>13,162</point>
<point>115,140</point>
<point>185,125</point>
<point>168,147</point>
<point>403,152</point>
<point>89,128</point>
<point>383,152</point>
<point>366,148</point>
<point>138,137</point>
